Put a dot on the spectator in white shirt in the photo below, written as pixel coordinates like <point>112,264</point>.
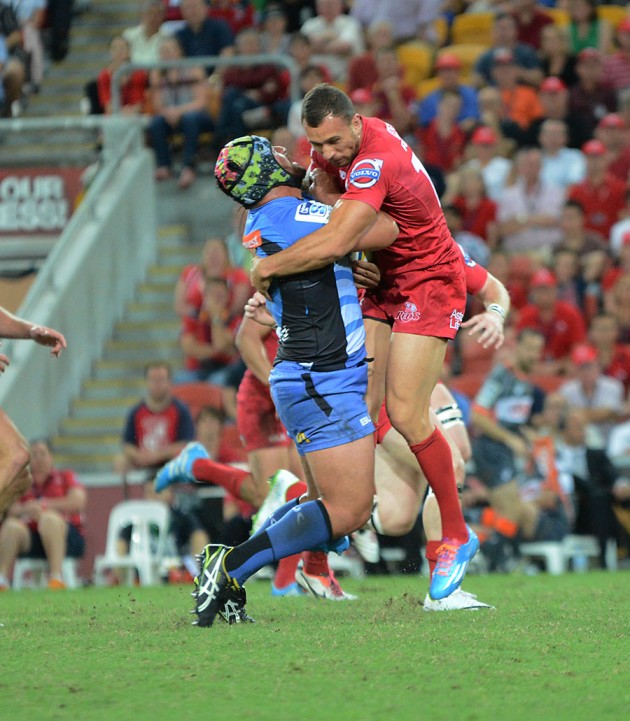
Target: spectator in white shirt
<point>335,37</point>
<point>561,166</point>
<point>144,39</point>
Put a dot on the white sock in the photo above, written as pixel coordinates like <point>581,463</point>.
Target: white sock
<point>191,565</point>
<point>4,581</point>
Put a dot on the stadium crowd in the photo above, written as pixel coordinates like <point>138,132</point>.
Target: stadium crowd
<point>520,112</point>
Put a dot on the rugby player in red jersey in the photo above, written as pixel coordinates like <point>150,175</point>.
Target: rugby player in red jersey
<point>419,303</point>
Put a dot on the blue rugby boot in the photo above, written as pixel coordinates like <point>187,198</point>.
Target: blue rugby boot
<point>179,470</point>
<point>452,561</point>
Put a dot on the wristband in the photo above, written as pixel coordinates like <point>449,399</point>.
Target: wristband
<point>496,308</point>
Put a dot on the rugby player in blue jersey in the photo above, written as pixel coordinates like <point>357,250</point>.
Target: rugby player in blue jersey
<point>318,382</point>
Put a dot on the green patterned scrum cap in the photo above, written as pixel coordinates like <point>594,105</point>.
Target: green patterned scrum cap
<point>247,170</point>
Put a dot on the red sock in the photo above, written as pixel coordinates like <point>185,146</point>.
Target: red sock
<point>430,553</point>
<point>222,474</point>
<point>296,490</point>
<point>436,460</point>
<point>315,563</point>
<point>285,573</point>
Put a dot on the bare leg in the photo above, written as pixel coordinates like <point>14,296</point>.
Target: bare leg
<point>14,540</point>
<point>53,530</point>
<point>15,475</point>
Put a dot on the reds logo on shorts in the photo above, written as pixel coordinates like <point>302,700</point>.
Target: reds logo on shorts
<point>409,313</point>
<point>366,172</point>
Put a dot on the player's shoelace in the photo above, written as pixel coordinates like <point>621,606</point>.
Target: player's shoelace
<point>446,554</point>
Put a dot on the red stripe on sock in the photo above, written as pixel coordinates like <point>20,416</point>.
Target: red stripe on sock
<point>430,553</point>
<point>285,573</point>
<point>436,460</point>
<point>296,490</point>
<point>222,474</point>
<point>316,563</point>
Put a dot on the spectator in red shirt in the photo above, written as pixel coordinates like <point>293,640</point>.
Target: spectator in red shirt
<point>443,141</point>
<point>46,522</point>
<point>479,213</point>
<point>601,194</point>
<point>362,71</point>
<point>393,97</point>
<point>133,86</point>
<point>593,96</point>
<point>254,96</point>
<point>612,131</point>
<point>617,64</point>
<point>158,427</point>
<point>614,357</point>
<point>560,323</point>
<point>207,341</point>
<point>530,21</point>
<point>215,263</point>
<point>238,14</point>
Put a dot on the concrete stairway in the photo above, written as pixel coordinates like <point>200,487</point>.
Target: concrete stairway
<point>89,438</point>
<point>62,89</point>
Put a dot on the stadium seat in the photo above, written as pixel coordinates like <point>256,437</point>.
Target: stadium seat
<point>473,28</point>
<point>440,28</point>
<point>614,14</point>
<point>149,521</point>
<point>198,395</point>
<point>427,86</point>
<point>559,16</point>
<point>416,60</point>
<point>467,54</point>
<point>31,573</point>
<point>559,554</point>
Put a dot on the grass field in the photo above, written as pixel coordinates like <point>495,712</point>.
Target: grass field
<point>556,648</point>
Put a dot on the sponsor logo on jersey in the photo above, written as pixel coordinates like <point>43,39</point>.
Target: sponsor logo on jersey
<point>467,259</point>
<point>365,421</point>
<point>252,240</point>
<point>312,212</point>
<point>301,438</point>
<point>283,334</point>
<point>409,312</point>
<point>366,172</point>
<point>456,318</point>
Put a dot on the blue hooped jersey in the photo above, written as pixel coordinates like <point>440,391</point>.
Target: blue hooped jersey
<point>318,315</point>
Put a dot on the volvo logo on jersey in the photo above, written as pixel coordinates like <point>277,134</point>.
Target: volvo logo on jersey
<point>366,172</point>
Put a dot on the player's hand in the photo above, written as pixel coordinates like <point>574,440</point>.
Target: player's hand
<point>365,274</point>
<point>48,337</point>
<point>4,362</point>
<point>256,309</point>
<point>489,326</point>
<point>260,284</point>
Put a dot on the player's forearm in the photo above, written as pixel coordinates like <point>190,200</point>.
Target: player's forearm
<point>494,293</point>
<point>13,327</point>
<point>254,356</point>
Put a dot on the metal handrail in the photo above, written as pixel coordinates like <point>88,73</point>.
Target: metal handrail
<point>205,61</point>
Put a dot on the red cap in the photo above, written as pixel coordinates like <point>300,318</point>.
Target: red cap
<point>543,278</point>
<point>361,96</point>
<point>624,26</point>
<point>448,61</point>
<point>612,120</point>
<point>594,147</point>
<point>583,354</point>
<point>552,85</point>
<point>503,56</point>
<point>484,136</point>
<point>589,54</point>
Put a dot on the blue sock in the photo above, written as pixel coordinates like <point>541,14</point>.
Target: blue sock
<point>306,526</point>
<point>277,515</point>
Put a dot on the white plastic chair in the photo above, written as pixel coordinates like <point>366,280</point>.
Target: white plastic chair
<point>149,521</point>
<point>32,573</point>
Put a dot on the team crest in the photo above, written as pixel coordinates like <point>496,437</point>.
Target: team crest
<point>410,312</point>
<point>366,172</point>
